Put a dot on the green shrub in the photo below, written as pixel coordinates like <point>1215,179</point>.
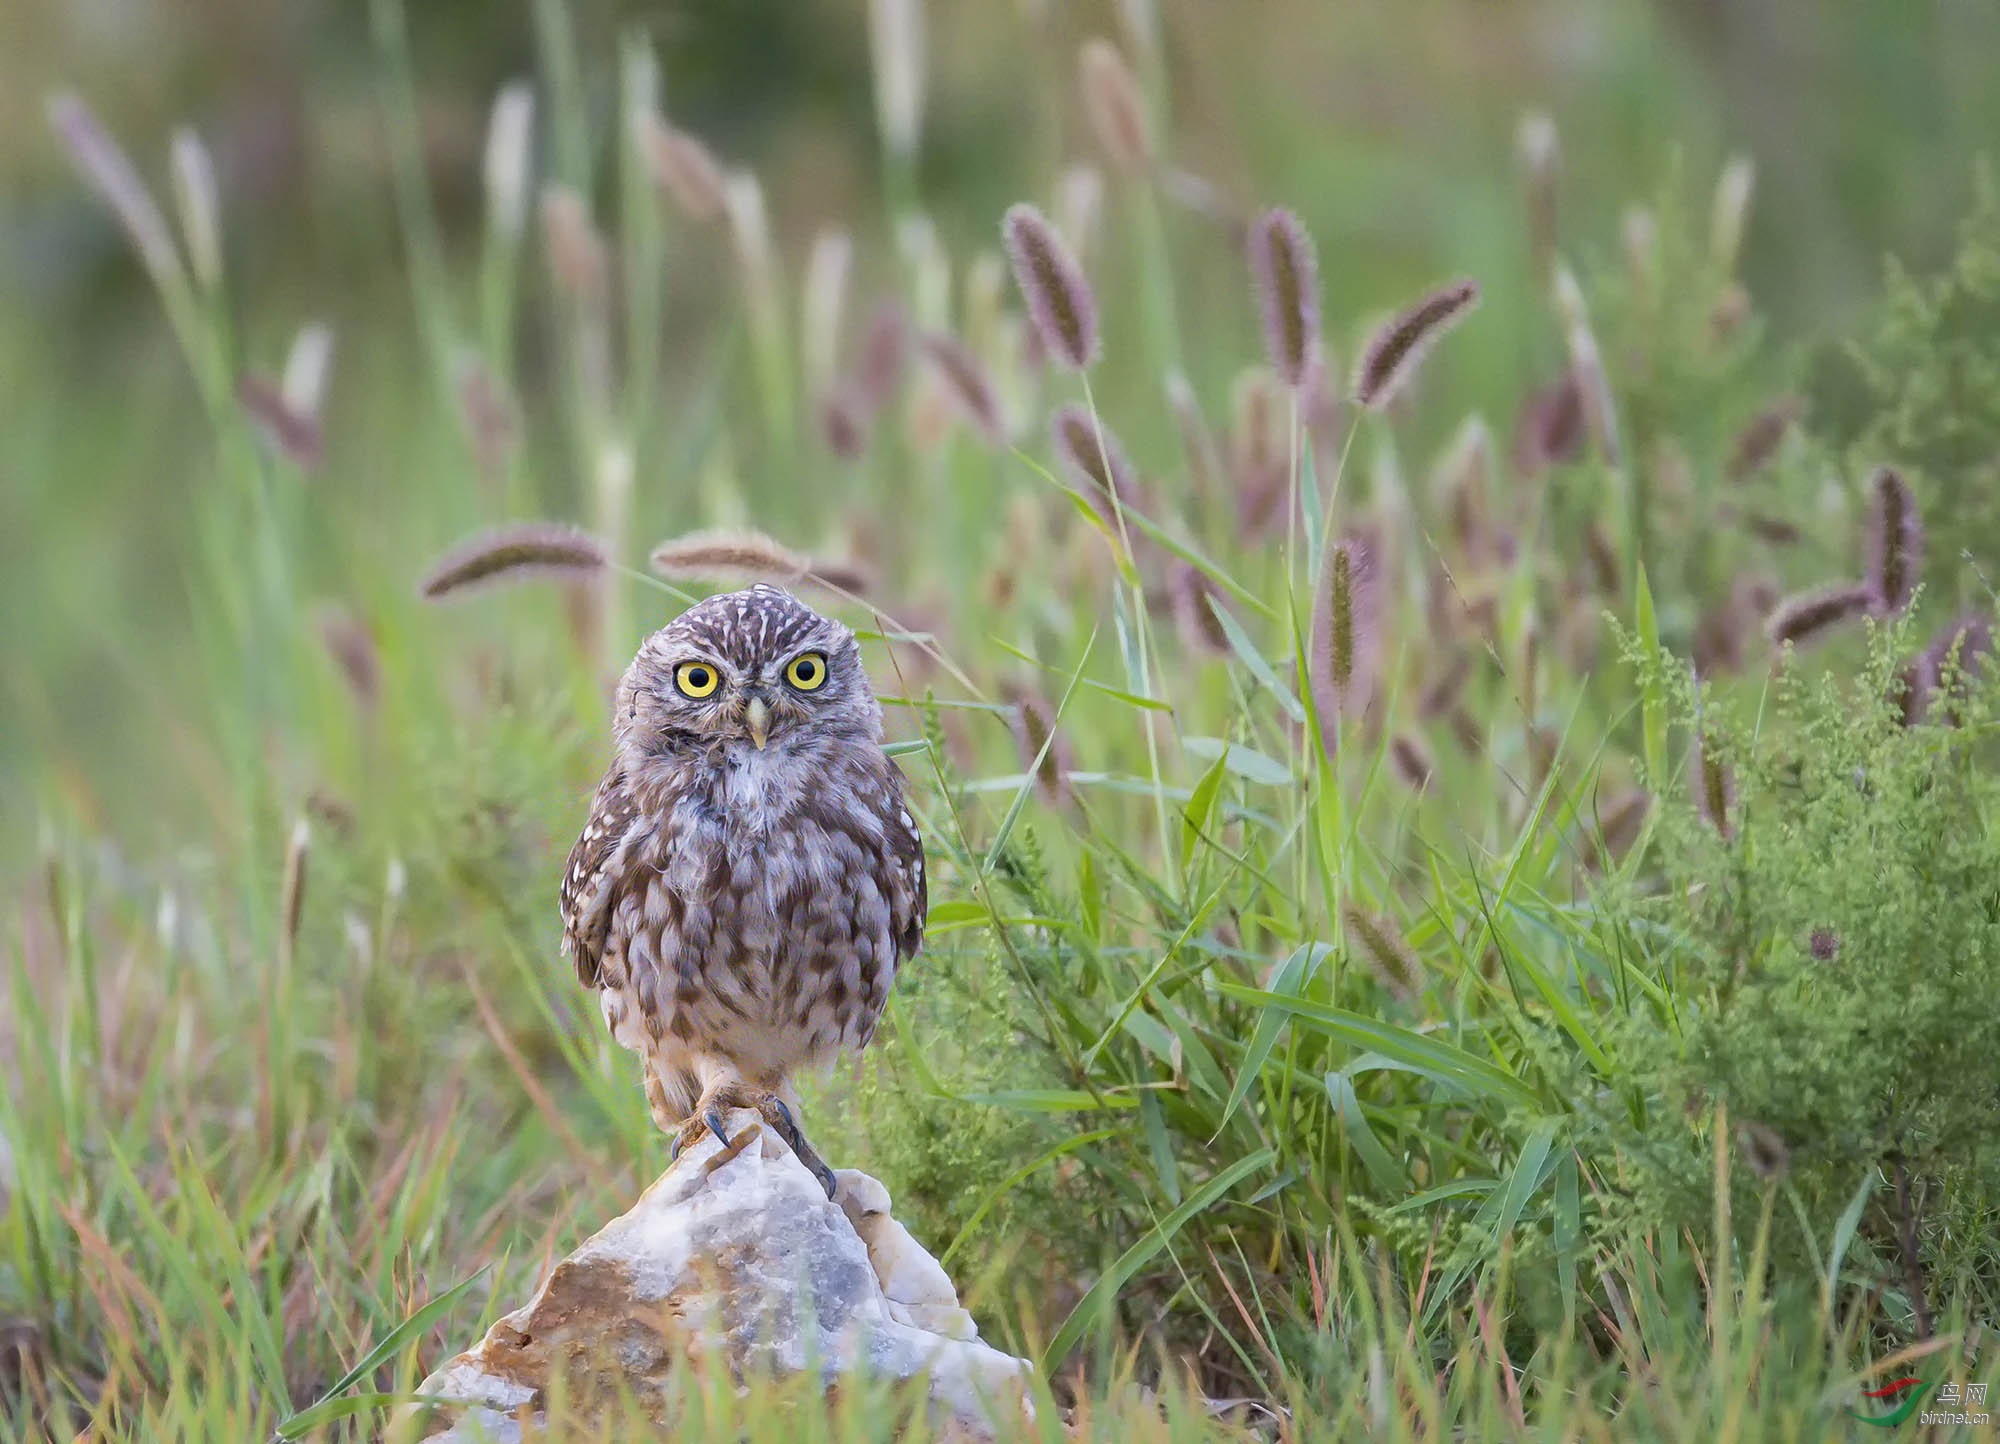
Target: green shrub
<point>1833,952</point>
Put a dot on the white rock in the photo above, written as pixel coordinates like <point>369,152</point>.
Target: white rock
<point>745,1257</point>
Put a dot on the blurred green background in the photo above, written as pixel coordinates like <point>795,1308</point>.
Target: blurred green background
<point>1389,126</point>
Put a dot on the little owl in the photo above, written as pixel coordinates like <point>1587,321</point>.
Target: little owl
<point>749,878</point>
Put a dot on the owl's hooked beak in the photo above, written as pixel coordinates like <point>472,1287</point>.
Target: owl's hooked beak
<point>757,717</point>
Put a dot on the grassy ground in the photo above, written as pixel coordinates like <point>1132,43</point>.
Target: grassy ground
<point>1330,1079</point>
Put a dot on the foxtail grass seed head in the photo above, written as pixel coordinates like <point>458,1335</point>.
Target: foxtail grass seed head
<point>331,809</point>
<point>844,424</point>
<point>1764,1151</point>
<point>1381,944</point>
<point>1079,209</point>
<point>1286,271</point>
<point>1731,214</point>
<point>1195,601</point>
<point>294,435</point>
<point>896,50</point>
<point>1806,617</point>
<point>930,416</point>
<point>1538,152</point>
<point>883,356</point>
<point>822,304</point>
<point>1910,692</point>
<point>1755,595</point>
<point>1727,316</point>
<point>1043,749</point>
<point>726,555</point>
<point>351,644</point>
<point>1116,107</point>
<point>683,168</point>
<point>1323,400</point>
<point>307,366</point>
<point>1400,344</point>
<point>1463,481</point>
<point>1411,760</point>
<point>199,201</point>
<point>966,383</point>
<point>1955,658</point>
<point>576,250</point>
<point>1059,298</point>
<point>1552,429</point>
<point>510,158</point>
<point>520,552</point>
<point>292,898</point>
<point>1467,732</point>
<point>1443,693</point>
<point>1090,454</point>
<point>1602,553</point>
<point>1259,450</point>
<point>839,575</point>
<point>1718,644</point>
<point>1715,788</point>
<point>1895,541</point>
<point>106,169</point>
<point>1586,364</point>
<point>1960,646</point>
<point>486,415</point>
<point>1773,530</point>
<point>1758,443</point>
<point>1824,945</point>
<point>1346,621</point>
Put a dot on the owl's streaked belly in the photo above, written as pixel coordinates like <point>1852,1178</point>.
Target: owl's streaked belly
<point>761,937</point>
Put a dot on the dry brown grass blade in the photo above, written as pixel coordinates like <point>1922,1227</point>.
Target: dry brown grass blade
<point>530,1083</point>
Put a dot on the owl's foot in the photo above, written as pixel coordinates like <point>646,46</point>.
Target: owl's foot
<point>710,1115</point>
<point>786,1127</point>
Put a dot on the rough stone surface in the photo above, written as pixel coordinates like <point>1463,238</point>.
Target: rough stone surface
<point>739,1259</point>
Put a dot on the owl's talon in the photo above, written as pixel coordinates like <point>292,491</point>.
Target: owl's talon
<point>712,1117</point>
<point>825,1176</point>
<point>786,1126</point>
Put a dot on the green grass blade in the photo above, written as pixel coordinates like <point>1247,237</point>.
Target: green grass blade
<point>1382,1168</point>
<point>1443,1061</point>
<point>1844,1231</point>
<point>1102,1293</point>
<point>331,1406</point>
<point>1246,652</point>
<point>1291,978</point>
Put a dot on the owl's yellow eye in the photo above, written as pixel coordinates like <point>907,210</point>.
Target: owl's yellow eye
<point>696,679</point>
<point>807,672</point>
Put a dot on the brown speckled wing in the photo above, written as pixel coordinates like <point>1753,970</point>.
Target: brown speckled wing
<point>910,901</point>
<point>590,882</point>
<point>905,886</point>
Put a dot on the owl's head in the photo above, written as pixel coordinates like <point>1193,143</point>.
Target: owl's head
<point>757,667</point>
